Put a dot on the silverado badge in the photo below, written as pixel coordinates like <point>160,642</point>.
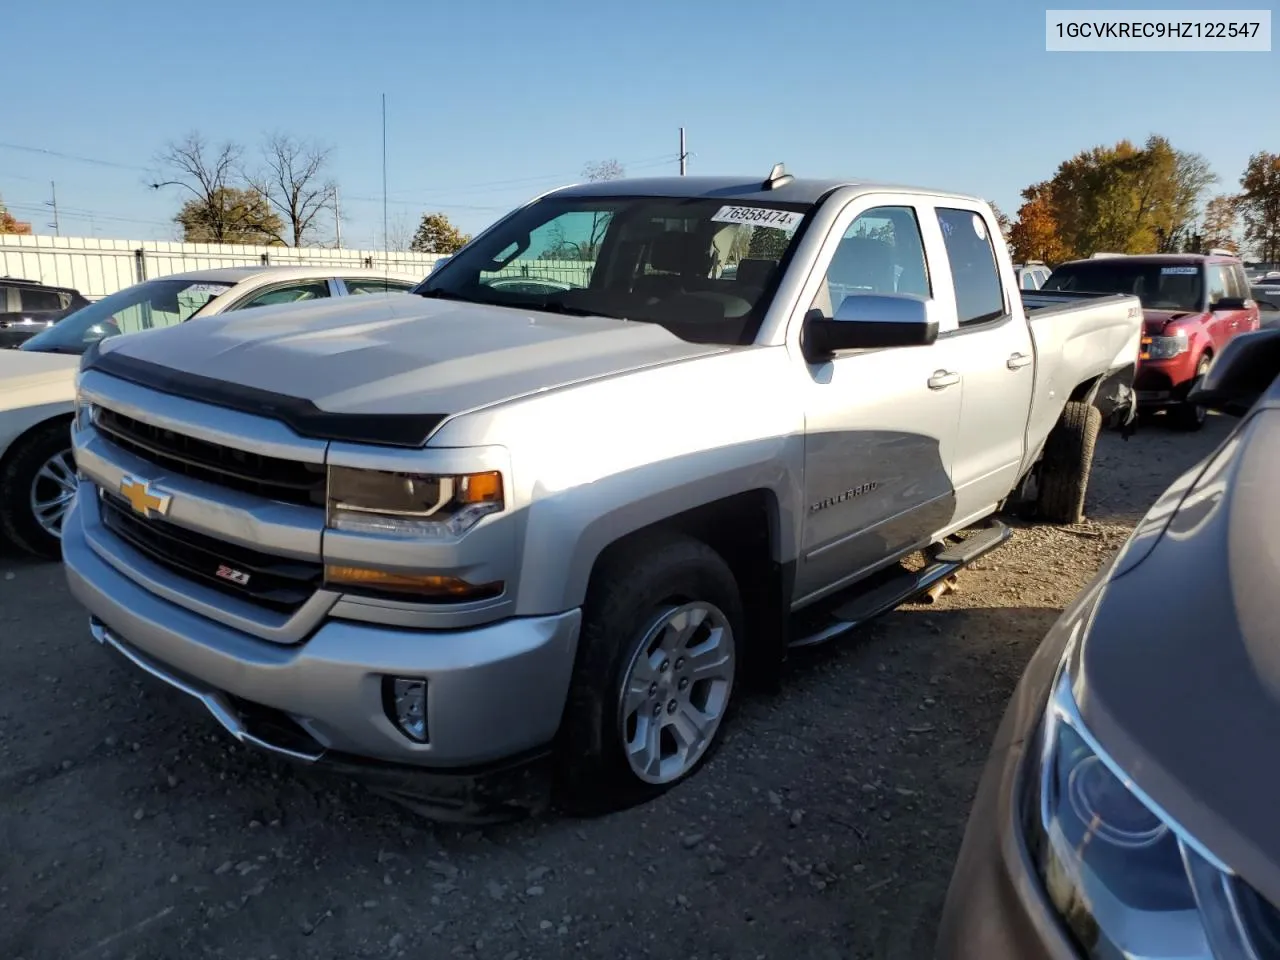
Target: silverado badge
<point>143,499</point>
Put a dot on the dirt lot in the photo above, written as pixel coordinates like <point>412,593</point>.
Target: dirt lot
<point>131,828</point>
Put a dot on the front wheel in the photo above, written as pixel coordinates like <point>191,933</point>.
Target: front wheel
<point>657,660</point>
<point>1192,416</point>
<point>38,489</point>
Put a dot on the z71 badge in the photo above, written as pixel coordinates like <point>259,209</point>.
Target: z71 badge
<point>232,574</point>
<point>847,495</point>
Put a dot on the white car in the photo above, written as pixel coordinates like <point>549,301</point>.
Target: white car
<point>37,380</point>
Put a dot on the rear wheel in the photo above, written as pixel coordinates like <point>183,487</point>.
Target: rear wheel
<point>655,672</point>
<point>1192,416</point>
<point>38,489</point>
<point>1068,462</point>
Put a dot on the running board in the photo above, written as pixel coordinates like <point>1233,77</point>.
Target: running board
<point>897,587</point>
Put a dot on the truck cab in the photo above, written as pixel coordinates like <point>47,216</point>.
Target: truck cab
<point>1193,305</point>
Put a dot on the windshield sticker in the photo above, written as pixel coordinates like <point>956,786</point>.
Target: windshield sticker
<point>214,288</point>
<point>759,217</point>
<point>979,227</point>
<point>1178,271</point>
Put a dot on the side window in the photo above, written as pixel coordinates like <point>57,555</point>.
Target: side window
<point>1216,277</point>
<point>290,293</point>
<point>881,252</point>
<point>979,296</point>
<point>373,285</point>
<point>1028,280</point>
<point>1239,287</point>
<point>40,301</point>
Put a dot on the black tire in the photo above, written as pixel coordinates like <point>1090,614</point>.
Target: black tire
<point>1190,417</point>
<point>631,587</point>
<point>1067,463</point>
<point>18,521</point>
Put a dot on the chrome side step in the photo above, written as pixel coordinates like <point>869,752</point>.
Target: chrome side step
<point>896,588</point>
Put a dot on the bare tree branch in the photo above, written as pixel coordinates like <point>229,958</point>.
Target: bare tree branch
<point>291,181</point>
<point>205,173</point>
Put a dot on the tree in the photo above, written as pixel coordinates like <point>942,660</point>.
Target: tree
<point>10,224</point>
<point>1002,221</point>
<point>1121,198</point>
<point>1035,234</point>
<point>231,215</point>
<point>1259,204</point>
<point>437,235</point>
<point>293,184</point>
<point>598,170</point>
<point>1219,226</point>
<point>206,174</point>
<point>400,233</point>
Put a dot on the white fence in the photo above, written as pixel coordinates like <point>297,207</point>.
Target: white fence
<point>98,267</point>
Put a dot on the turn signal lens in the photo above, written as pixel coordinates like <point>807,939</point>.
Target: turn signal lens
<point>426,586</point>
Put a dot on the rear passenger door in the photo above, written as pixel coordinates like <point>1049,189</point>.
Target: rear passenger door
<point>992,350</point>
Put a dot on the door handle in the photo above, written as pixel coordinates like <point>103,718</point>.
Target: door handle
<point>942,379</point>
<point>1017,361</point>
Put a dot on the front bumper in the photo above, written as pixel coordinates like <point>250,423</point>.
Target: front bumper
<point>493,693</point>
<point>1163,383</point>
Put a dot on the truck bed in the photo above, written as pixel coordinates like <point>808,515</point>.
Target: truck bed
<point>1078,337</point>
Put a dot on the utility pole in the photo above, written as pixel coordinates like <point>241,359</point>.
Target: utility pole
<point>337,218</point>
<point>384,178</point>
<point>684,154</point>
<point>53,189</point>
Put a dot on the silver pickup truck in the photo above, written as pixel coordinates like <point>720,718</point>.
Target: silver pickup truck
<point>502,536</point>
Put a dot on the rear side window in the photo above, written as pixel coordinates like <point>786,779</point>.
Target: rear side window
<point>356,287</point>
<point>1216,277</point>
<point>40,300</point>
<point>979,296</point>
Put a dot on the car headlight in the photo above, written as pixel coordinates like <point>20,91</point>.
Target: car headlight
<point>1126,879</point>
<point>411,505</point>
<point>1165,348</point>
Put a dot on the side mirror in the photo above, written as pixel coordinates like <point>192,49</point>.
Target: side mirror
<point>1231,303</point>
<point>867,321</point>
<point>1240,374</point>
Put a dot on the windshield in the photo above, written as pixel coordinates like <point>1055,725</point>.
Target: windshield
<point>154,303</point>
<point>1160,286</point>
<point>704,269</point>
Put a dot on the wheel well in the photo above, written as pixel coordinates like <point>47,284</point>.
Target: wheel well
<point>25,435</point>
<point>1085,391</point>
<point>745,530</point>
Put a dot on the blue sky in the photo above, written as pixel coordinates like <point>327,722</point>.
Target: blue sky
<point>490,103</point>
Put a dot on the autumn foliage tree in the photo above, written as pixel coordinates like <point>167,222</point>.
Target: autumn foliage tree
<point>1121,199</point>
<point>436,234</point>
<point>10,224</point>
<point>1218,228</point>
<point>1034,235</point>
<point>1259,204</point>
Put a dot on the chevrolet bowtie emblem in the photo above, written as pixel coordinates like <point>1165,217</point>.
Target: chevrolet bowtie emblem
<point>143,499</point>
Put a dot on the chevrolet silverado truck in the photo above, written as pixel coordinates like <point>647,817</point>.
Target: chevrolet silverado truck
<point>1193,306</point>
<point>497,544</point>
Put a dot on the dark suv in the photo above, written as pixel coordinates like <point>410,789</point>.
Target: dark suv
<point>1193,305</point>
<point>28,306</point>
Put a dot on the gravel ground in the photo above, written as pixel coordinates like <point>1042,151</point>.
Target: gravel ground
<point>826,827</point>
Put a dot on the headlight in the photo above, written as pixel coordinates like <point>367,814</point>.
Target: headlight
<point>1165,348</point>
<point>1126,879</point>
<point>411,505</point>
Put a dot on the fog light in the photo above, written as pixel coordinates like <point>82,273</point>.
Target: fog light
<point>407,706</point>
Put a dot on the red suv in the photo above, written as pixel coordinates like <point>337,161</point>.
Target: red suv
<point>1193,304</point>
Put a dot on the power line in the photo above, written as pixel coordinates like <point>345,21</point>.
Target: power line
<point>71,156</point>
